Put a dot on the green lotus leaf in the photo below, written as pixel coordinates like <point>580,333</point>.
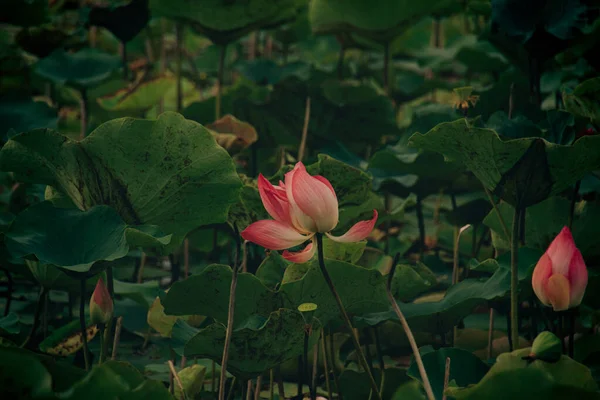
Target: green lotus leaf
<point>522,172</point>
<point>584,99</point>
<point>82,70</point>
<point>138,97</point>
<point>69,238</point>
<point>258,346</point>
<point>225,22</point>
<point>179,180</point>
<point>24,115</point>
<point>22,375</point>
<point>125,21</point>
<point>66,340</point>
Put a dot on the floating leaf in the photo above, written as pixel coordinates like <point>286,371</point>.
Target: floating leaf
<point>66,340</point>
<point>192,379</point>
<point>179,180</point>
<point>139,97</point>
<point>24,115</point>
<point>255,347</point>
<point>524,171</point>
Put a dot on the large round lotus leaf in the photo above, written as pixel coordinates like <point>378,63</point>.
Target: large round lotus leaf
<point>362,290</point>
<point>252,297</point>
<point>82,70</point>
<point>125,22</point>
<point>465,368</point>
<point>139,97</point>
<point>523,171</point>
<point>69,238</point>
<point>226,21</point>
<point>179,180</point>
<point>585,99</point>
<point>24,13</point>
<point>22,375</point>
<point>380,20</point>
<point>24,115</point>
<point>568,377</point>
<point>403,170</point>
<point>461,299</point>
<point>259,345</point>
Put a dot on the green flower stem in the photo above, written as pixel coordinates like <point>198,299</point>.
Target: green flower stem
<point>86,355</point>
<point>421,223</point>
<point>229,331</point>
<point>495,206</point>
<point>220,81</point>
<point>514,279</point>
<point>326,365</point>
<point>379,357</point>
<point>332,361</point>
<point>361,356</point>
<point>386,68</point>
<point>178,46</point>
<point>573,202</point>
<point>36,318</point>
<point>103,346</point>
<point>106,332</point>
<point>83,109</point>
<point>572,313</point>
<point>408,332</point>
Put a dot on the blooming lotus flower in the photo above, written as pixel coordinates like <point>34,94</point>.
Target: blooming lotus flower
<point>301,207</point>
<point>560,276</point>
<point>101,305</point>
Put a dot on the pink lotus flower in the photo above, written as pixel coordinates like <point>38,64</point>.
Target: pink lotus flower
<point>302,206</point>
<point>560,276</point>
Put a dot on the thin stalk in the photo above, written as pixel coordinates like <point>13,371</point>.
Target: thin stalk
<point>36,318</point>
<point>514,278</point>
<point>315,366</point>
<point>117,338</point>
<point>490,350</point>
<point>103,349</point>
<point>230,315</point>
<point>271,384</point>
<point>561,330</point>
<point>573,202</point>
<point>495,206</point>
<point>249,390</point>
<point>257,388</point>
<point>388,223</point>
<point>9,291</point>
<point>186,258</point>
<point>220,81</point>
<point>176,378</point>
<point>361,356</point>
<point>509,328</point>
<point>369,356</point>
<point>86,355</point>
<point>140,275</point>
<point>163,61</point>
<point>280,387</point>
<point>446,377</point>
<point>179,51</point>
<point>379,357</point>
<point>326,365</point>
<point>106,335</point>
<point>386,68</point>
<point>123,51</point>
<point>408,332</point>
<point>572,313</point>
<point>213,378</point>
<point>333,363</point>
<point>83,109</point>
<point>299,389</point>
<point>302,148</point>
<point>340,63</point>
<point>231,389</point>
<point>45,316</point>
<point>421,222</point>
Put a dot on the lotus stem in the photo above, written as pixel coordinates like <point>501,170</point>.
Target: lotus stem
<point>140,275</point>
<point>176,378</point>
<point>408,332</point>
<point>573,202</point>
<point>36,318</point>
<point>299,389</point>
<point>257,388</point>
<point>179,50</point>
<point>333,363</point>
<point>446,377</point>
<point>326,365</point>
<point>302,148</point>
<point>86,355</point>
<point>117,338</point>
<point>490,350</point>
<point>421,222</point>
<point>361,356</point>
<point>497,210</point>
<point>220,81</point>
<point>514,278</point>
<point>9,291</point>
<point>231,389</point>
<point>186,258</point>
<point>280,387</point>
<point>271,384</point>
<point>572,314</point>
<point>315,366</point>
<point>83,109</point>
<point>386,68</point>
<point>229,331</point>
<point>106,334</point>
<point>249,390</point>
<point>379,358</point>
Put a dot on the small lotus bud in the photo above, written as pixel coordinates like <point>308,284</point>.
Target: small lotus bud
<point>101,305</point>
<point>546,347</point>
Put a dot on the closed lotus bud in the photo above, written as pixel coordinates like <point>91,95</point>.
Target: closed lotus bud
<point>101,305</point>
<point>560,276</point>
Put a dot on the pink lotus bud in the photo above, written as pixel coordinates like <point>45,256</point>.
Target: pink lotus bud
<point>560,276</point>
<point>101,305</point>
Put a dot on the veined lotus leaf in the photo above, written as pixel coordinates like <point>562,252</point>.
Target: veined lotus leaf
<point>139,97</point>
<point>23,375</point>
<point>257,346</point>
<point>249,207</point>
<point>381,21</point>
<point>66,340</point>
<point>77,241</point>
<point>225,22</point>
<point>585,99</point>
<point>192,379</point>
<point>10,324</point>
<point>523,171</point>
<point>82,70</point>
<point>465,368</point>
<point>362,290</point>
<point>252,297</point>
<point>21,115</point>
<point>558,380</point>
<point>179,180</point>
<point>232,134</point>
<point>460,300</point>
